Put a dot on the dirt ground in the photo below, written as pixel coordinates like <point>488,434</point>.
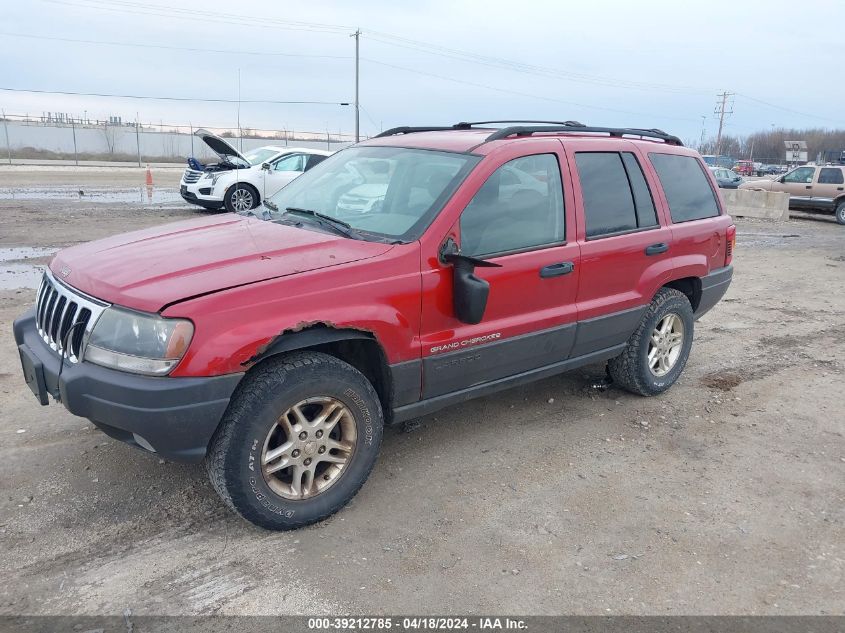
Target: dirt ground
<point>725,495</point>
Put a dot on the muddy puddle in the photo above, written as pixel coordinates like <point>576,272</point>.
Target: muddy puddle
<point>15,269</point>
<point>143,195</point>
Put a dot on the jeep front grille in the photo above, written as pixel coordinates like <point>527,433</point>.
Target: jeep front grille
<point>58,308</point>
<point>192,176</point>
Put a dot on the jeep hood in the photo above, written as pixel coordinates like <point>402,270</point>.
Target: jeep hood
<point>222,148</point>
<point>149,269</point>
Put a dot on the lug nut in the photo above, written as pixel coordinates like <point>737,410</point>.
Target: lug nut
<point>307,462</point>
<point>319,434</point>
<point>325,477</point>
<point>321,450</point>
<point>303,435</point>
<point>295,452</point>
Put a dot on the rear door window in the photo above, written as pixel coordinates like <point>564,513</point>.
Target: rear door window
<point>831,176</point>
<point>615,194</point>
<point>687,189</point>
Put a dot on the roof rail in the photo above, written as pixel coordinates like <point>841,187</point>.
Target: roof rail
<point>547,126</point>
<point>522,130</point>
<point>465,125</point>
<point>409,130</point>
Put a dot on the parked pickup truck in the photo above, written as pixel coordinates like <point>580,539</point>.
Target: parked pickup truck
<point>274,345</point>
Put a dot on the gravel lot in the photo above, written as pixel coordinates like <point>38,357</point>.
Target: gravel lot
<point>725,495</point>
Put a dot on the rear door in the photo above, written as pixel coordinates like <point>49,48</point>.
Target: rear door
<point>830,184</point>
<point>625,248</point>
<point>520,217</point>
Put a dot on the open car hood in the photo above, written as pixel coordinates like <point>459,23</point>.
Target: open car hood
<point>222,148</point>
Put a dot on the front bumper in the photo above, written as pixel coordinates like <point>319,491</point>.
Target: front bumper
<point>172,417</point>
<point>202,193</point>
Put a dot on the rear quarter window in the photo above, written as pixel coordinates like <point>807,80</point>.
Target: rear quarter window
<point>687,189</point>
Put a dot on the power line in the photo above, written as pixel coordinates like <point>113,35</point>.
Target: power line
<point>518,93</point>
<point>172,48</point>
<point>521,67</point>
<point>133,8</point>
<point>785,109</point>
<point>163,98</point>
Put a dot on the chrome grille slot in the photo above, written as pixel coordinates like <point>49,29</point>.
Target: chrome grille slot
<point>192,176</point>
<point>60,308</point>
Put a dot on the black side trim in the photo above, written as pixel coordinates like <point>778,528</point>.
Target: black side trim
<point>450,372</point>
<point>424,407</point>
<point>317,334</point>
<point>407,382</point>
<point>606,331</point>
<point>713,288</point>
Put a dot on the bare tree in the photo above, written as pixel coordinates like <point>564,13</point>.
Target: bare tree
<point>109,134</point>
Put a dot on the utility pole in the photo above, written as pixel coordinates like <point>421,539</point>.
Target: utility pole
<point>75,153</point>
<point>138,136</point>
<point>721,111</point>
<point>703,131</point>
<point>357,36</point>
<point>240,133</point>
<point>6,127</point>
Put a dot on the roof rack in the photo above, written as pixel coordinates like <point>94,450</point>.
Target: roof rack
<point>521,130</point>
<point>547,126</point>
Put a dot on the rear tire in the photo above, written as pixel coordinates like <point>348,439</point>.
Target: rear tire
<point>241,197</point>
<point>657,351</point>
<point>840,212</point>
<point>272,437</point>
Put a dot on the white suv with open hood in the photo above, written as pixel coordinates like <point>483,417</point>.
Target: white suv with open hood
<point>241,181</point>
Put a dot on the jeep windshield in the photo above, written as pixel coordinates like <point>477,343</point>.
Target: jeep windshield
<point>384,192</point>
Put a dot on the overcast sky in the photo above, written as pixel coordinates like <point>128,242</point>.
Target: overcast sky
<point>652,63</point>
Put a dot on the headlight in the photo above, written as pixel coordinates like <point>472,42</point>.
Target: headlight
<point>138,343</point>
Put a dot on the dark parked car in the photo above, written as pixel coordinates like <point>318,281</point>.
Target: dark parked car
<point>727,178</point>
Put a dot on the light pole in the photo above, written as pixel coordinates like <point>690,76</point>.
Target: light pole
<point>357,36</point>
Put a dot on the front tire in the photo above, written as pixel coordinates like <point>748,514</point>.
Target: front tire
<point>297,442</point>
<point>241,197</point>
<point>840,212</point>
<point>657,351</point>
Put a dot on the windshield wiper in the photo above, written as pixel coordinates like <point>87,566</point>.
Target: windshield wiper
<point>270,205</point>
<point>339,226</point>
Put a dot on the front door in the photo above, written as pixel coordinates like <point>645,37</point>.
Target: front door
<point>282,172</point>
<point>799,185</point>
<point>515,219</point>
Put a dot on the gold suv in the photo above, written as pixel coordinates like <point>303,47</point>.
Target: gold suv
<point>810,188</point>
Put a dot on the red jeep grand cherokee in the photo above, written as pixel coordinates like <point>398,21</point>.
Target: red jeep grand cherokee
<point>415,270</point>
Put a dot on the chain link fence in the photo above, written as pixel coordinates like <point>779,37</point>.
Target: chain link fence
<point>60,137</point>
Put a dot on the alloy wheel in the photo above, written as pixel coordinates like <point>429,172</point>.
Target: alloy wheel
<point>241,199</point>
<point>308,448</point>
<point>665,344</point>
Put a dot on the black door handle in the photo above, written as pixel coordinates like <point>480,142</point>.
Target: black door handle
<point>556,270</point>
<point>840,188</point>
<point>808,187</point>
<point>656,249</point>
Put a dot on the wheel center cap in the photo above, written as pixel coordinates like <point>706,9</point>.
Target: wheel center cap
<point>310,448</point>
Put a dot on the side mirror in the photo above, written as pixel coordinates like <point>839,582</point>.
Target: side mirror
<point>469,292</point>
